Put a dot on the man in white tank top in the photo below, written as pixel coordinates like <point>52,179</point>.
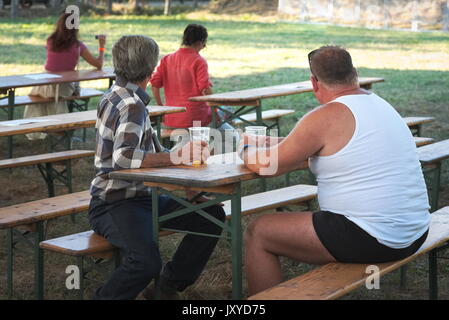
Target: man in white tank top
<point>371,191</point>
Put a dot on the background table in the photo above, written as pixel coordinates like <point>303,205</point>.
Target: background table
<point>68,122</point>
<point>253,98</point>
<point>9,84</point>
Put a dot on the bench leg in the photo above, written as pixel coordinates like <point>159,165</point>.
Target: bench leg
<point>39,261</point>
<point>10,257</point>
<point>433,275</point>
<point>403,277</point>
<point>80,264</point>
<point>436,187</point>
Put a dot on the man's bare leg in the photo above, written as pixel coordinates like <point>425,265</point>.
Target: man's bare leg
<point>282,234</point>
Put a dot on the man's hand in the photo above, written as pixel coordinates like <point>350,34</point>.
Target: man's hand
<point>194,152</point>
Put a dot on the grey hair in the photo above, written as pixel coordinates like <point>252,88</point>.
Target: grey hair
<point>135,57</point>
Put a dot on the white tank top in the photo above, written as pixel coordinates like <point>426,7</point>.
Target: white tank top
<point>376,180</point>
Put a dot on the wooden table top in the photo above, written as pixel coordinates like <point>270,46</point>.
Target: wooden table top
<point>269,92</point>
<point>220,170</point>
<point>67,121</point>
<point>27,80</point>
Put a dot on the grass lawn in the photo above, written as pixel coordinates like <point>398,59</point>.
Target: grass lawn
<point>241,54</point>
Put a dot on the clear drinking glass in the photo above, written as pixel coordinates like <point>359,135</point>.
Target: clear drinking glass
<point>256,135</point>
<point>199,134</point>
<point>256,130</point>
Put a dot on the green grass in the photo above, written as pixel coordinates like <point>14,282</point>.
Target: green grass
<point>241,54</point>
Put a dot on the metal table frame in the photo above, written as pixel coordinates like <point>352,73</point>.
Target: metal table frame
<point>231,230</point>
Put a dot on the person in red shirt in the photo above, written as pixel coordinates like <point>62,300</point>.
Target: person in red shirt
<point>184,74</point>
<point>63,50</point>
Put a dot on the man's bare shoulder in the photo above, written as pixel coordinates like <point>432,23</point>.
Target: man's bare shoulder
<point>326,113</point>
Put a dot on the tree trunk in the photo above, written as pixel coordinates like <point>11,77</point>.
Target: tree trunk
<point>109,6</point>
<point>446,16</point>
<point>55,6</point>
<point>14,8</point>
<point>386,14</point>
<point>330,11</point>
<point>167,9</point>
<point>357,11</point>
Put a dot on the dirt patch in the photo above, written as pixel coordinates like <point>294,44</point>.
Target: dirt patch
<point>261,7</point>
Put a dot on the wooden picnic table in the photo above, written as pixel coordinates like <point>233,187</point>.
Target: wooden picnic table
<point>8,83</point>
<point>221,176</point>
<point>253,98</point>
<point>69,121</point>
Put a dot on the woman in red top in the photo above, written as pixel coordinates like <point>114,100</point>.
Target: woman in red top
<point>63,51</point>
<point>184,74</point>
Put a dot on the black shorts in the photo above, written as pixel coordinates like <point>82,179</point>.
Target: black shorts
<point>347,242</point>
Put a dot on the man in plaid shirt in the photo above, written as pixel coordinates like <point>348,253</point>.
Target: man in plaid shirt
<point>121,210</point>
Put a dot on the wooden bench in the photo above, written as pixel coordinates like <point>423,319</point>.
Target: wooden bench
<point>415,123</point>
<point>30,217</point>
<point>45,163</point>
<point>334,280</point>
<point>268,115</point>
<point>421,141</point>
<point>431,157</point>
<point>89,244</point>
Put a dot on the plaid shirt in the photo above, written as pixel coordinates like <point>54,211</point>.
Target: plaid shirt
<point>124,137</point>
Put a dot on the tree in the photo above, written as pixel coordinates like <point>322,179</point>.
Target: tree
<point>14,8</point>
<point>167,8</point>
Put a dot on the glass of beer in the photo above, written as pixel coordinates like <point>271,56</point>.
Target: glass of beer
<point>199,134</point>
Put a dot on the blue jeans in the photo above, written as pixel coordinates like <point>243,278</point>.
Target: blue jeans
<point>127,224</point>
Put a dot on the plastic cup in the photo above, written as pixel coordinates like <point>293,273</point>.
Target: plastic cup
<point>199,134</point>
<point>256,130</point>
<point>256,135</point>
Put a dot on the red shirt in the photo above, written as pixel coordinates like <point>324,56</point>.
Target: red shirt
<point>65,60</point>
<point>183,74</point>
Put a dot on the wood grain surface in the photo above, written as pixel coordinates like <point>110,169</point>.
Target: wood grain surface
<point>268,92</point>
<point>68,121</point>
<point>20,81</point>
<point>333,280</point>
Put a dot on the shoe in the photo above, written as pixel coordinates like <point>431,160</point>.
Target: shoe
<point>167,293</point>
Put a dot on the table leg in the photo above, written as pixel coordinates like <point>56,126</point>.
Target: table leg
<point>158,127</point>
<point>11,97</point>
<point>155,216</point>
<point>214,124</point>
<point>10,257</point>
<point>39,261</point>
<point>236,244</point>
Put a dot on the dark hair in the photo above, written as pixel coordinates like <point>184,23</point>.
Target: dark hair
<point>194,33</point>
<point>63,38</point>
<point>332,65</point>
